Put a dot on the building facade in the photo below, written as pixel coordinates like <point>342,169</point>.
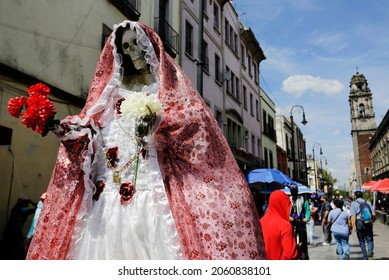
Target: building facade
<point>379,150</point>
<point>296,162</point>
<point>269,135</point>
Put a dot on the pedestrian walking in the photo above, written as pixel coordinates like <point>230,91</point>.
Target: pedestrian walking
<point>311,222</point>
<point>325,210</point>
<point>300,214</point>
<point>341,229</point>
<point>364,229</point>
<point>280,242</point>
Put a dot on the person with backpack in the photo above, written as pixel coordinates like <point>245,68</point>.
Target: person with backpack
<point>362,217</point>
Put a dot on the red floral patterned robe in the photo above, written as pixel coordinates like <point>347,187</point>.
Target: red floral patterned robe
<point>209,198</point>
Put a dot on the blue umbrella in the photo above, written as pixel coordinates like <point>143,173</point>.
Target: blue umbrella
<point>267,180</point>
<point>267,175</point>
<point>301,189</point>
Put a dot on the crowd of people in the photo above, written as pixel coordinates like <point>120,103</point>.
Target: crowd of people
<point>289,222</point>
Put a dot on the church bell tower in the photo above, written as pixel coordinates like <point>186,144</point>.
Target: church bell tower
<point>363,126</point>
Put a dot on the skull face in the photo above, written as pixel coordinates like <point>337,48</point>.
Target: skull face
<point>130,47</point>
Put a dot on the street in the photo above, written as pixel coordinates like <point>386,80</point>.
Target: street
<point>381,245</point>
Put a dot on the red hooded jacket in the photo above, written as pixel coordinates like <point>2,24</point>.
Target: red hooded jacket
<point>277,231</point>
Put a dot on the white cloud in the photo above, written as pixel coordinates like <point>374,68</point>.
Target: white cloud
<point>331,42</point>
<point>299,84</point>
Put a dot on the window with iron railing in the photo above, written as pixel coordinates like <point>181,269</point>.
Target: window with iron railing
<point>170,37</point>
<point>130,8</point>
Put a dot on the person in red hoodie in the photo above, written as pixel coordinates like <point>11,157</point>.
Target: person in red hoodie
<point>277,231</point>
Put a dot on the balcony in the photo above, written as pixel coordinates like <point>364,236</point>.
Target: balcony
<point>169,36</point>
<point>129,8</point>
<point>270,132</point>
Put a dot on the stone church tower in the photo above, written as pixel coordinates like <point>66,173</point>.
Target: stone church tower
<point>363,126</point>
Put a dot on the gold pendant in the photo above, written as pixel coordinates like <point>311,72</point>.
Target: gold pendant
<point>116,177</point>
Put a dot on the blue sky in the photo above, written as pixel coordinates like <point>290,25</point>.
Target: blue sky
<point>312,49</point>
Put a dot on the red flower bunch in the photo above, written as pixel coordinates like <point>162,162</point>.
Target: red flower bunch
<point>38,110</point>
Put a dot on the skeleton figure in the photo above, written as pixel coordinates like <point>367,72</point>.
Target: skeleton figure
<point>130,47</point>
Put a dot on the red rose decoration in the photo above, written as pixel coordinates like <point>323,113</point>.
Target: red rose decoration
<point>15,106</point>
<point>112,156</point>
<point>126,192</point>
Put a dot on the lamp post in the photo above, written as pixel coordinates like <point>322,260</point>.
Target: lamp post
<point>321,167</point>
<point>304,122</point>
<point>314,163</point>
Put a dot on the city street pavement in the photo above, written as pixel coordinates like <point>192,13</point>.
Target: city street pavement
<point>381,245</point>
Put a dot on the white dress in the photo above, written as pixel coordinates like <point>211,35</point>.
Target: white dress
<point>142,229</point>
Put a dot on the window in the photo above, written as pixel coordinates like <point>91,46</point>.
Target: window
<point>216,20</point>
<point>188,38</point>
<point>259,148</point>
<point>361,110</point>
<point>219,118</point>
<point>237,89</point>
<point>228,81</point>
<point>257,109</point>
<point>231,38</point>
<point>205,56</point>
<point>217,68</point>
<point>244,97</point>
<point>266,158</point>
<point>255,73</point>
<point>251,104</point>
<point>288,152</point>
<point>264,121</point>
<point>243,57</point>
<point>226,31</point>
<point>232,83</point>
<point>271,160</point>
<point>253,144</point>
<point>249,64</point>
<point>234,133</point>
<point>205,6</point>
<point>236,43</point>
<point>6,135</point>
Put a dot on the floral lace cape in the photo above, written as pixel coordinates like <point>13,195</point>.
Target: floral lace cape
<point>210,201</point>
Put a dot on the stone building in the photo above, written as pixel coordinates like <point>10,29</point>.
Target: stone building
<point>379,150</point>
<point>363,126</point>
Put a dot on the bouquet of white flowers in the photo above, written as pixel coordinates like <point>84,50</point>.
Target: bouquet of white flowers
<point>144,108</point>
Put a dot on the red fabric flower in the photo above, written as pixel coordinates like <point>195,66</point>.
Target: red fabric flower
<point>112,156</point>
<point>39,110</point>
<point>39,88</point>
<point>15,106</point>
<point>126,192</point>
